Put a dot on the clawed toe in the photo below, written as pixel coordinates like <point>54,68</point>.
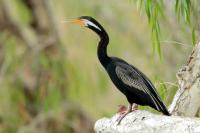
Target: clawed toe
<point>122,109</point>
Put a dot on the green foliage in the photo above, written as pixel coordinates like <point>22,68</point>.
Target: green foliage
<point>22,11</point>
<point>53,99</point>
<point>162,89</point>
<point>155,8</point>
<point>193,37</point>
<point>183,9</point>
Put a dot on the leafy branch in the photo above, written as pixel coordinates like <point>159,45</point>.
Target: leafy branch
<point>154,9</point>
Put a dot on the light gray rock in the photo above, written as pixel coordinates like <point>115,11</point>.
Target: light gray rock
<point>146,122</point>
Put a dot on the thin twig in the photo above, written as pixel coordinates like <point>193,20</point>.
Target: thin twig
<point>175,42</point>
<point>169,83</point>
<point>164,83</point>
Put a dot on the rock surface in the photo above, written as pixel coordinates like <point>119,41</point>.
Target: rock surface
<point>146,122</point>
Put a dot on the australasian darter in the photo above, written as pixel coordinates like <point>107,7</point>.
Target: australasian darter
<point>137,88</point>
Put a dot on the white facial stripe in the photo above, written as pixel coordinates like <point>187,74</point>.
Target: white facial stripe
<point>87,22</point>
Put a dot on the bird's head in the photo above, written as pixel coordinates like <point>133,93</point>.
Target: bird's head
<point>89,22</point>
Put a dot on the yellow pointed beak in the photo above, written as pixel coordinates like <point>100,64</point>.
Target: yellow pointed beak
<point>78,22</point>
<point>75,21</point>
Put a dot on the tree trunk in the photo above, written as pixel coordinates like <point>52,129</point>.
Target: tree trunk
<point>186,102</point>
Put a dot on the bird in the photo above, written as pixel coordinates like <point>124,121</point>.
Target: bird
<point>128,79</point>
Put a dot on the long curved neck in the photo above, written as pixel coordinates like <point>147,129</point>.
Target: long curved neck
<point>102,49</point>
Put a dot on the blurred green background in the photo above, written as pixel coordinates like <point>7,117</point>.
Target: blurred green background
<point>50,76</point>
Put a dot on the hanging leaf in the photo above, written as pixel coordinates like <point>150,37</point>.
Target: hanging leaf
<point>193,37</point>
<point>153,9</point>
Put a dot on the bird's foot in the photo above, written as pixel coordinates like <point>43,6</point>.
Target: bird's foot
<point>119,119</point>
<point>122,109</point>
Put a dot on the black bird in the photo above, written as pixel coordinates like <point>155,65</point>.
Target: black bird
<point>137,88</point>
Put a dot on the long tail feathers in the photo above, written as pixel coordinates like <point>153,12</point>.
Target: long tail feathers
<point>161,107</point>
<point>164,109</point>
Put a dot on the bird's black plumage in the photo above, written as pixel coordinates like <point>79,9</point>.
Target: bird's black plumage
<point>127,78</point>
<point>135,85</point>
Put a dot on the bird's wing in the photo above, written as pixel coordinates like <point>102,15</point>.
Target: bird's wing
<point>132,77</point>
